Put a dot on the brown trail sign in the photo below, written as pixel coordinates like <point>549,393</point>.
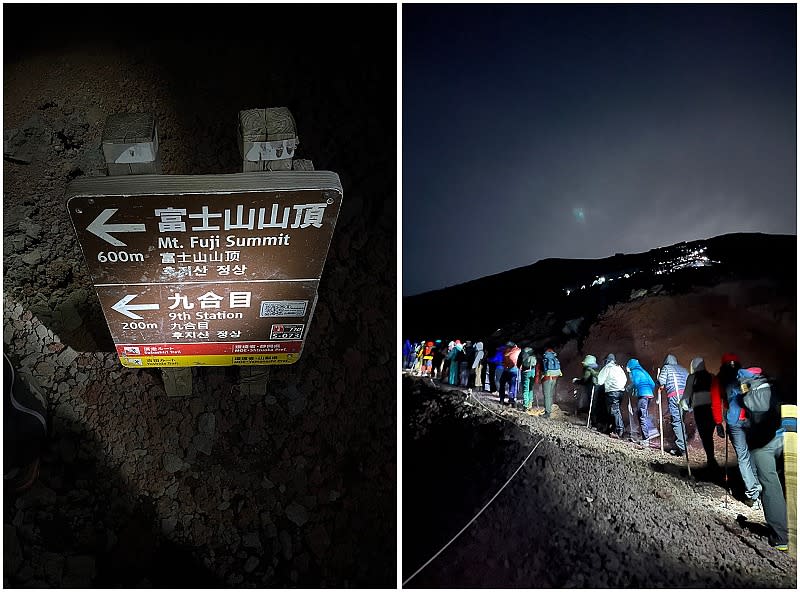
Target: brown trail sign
<point>206,270</point>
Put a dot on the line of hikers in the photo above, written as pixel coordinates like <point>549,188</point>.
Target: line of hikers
<point>510,367</point>
<point>740,403</point>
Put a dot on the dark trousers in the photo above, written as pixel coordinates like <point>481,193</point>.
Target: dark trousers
<point>644,417</point>
<point>772,493</point>
<point>509,377</point>
<point>614,398</point>
<point>600,418</point>
<point>705,426</point>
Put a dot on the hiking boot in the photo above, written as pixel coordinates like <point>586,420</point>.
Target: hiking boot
<point>753,503</point>
<point>615,436</point>
<point>546,415</point>
<point>781,547</point>
<point>675,452</point>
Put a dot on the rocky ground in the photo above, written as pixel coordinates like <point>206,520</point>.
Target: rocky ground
<point>586,511</point>
<point>293,487</point>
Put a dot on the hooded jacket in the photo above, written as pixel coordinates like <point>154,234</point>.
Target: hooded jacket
<point>612,377</point>
<point>641,382</point>
<point>698,385</point>
<point>478,355</point>
<point>673,376</point>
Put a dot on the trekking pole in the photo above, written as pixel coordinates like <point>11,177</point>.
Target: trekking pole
<point>630,415</point>
<point>591,400</point>
<point>727,489</point>
<point>685,441</point>
<point>660,421</point>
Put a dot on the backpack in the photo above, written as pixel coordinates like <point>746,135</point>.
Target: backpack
<point>758,400</point>
<point>528,359</point>
<point>551,362</point>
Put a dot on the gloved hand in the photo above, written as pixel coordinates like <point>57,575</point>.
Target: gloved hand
<point>720,430</point>
<point>575,380</point>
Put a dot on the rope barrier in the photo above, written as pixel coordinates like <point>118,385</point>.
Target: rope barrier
<point>514,474</point>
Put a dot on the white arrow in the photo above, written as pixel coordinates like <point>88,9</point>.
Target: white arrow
<point>99,227</point>
<point>125,308</point>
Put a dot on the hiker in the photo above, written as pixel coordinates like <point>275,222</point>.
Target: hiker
<point>496,368</point>
<point>551,371</point>
<point>642,385</point>
<point>588,381</point>
<point>726,396</point>
<point>529,377</point>
<point>510,373</point>
<point>672,378</point>
<point>463,364</point>
<point>418,349</point>
<point>765,440</point>
<point>477,367</point>
<point>697,396</point>
<point>427,358</point>
<point>408,355</point>
<point>438,359</point>
<point>452,355</point>
<point>613,378</point>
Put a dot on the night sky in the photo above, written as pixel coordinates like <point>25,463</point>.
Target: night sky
<point>580,131</point>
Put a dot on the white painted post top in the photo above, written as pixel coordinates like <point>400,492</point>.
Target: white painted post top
<point>130,138</point>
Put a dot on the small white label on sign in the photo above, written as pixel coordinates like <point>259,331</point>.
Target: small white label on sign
<point>286,331</point>
<point>283,308</point>
<point>280,150</point>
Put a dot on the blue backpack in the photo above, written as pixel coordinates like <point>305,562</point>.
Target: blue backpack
<point>550,362</point>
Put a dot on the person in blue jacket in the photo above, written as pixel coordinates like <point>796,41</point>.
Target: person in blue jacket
<point>496,368</point>
<point>642,385</point>
<point>408,355</point>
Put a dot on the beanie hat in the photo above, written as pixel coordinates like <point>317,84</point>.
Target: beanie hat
<point>611,358</point>
<point>589,360</point>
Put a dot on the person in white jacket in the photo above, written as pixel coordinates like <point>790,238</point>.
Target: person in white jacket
<point>613,378</point>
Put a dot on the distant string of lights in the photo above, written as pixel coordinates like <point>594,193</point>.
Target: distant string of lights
<point>688,258</point>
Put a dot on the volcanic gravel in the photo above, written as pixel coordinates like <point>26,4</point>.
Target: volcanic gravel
<point>293,487</point>
<point>585,511</point>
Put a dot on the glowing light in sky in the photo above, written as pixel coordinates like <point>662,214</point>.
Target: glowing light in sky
<point>579,215</point>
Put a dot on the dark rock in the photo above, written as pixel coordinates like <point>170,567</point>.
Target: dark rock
<point>319,541</point>
<point>173,463</point>
<point>206,423</point>
<point>251,564</point>
<point>53,568</point>
<point>12,552</point>
<point>80,571</point>
<point>203,443</point>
